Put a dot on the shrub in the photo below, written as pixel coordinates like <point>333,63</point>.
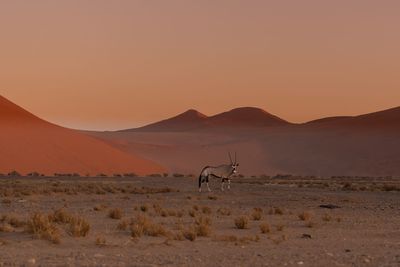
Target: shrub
<point>224,211</point>
<point>264,228</point>
<point>305,216</point>
<point>203,226</point>
<point>206,210</point>
<point>257,214</point>
<point>14,173</point>
<point>189,234</point>
<point>101,241</point>
<point>241,222</point>
<point>41,227</point>
<point>178,175</point>
<point>142,225</point>
<point>115,214</point>
<point>78,227</point>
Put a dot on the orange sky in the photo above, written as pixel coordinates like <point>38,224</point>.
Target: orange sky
<point>118,64</point>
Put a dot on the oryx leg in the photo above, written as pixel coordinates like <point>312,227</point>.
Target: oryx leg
<point>222,184</point>
<point>208,187</point>
<point>229,184</point>
<point>201,181</point>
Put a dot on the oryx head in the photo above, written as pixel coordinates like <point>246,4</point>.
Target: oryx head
<point>234,164</point>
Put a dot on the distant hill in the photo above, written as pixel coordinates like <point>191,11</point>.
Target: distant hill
<point>384,120</point>
<point>191,120</point>
<point>365,145</point>
<point>30,144</point>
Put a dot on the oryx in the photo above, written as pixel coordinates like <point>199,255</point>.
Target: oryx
<point>223,171</point>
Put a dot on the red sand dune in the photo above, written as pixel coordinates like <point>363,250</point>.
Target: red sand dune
<point>28,144</point>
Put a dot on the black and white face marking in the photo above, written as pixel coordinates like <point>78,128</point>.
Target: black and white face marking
<point>234,167</point>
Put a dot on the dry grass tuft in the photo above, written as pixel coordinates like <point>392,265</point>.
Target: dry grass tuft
<point>144,208</point>
<point>115,214</point>
<point>265,228</point>
<point>203,226</point>
<point>189,234</point>
<point>123,225</point>
<point>212,197</point>
<point>101,241</point>
<point>305,216</point>
<point>206,210</point>
<point>242,222</point>
<point>327,218</point>
<point>224,211</point>
<point>142,225</point>
<point>60,216</point>
<point>6,228</point>
<point>276,211</point>
<point>280,227</point>
<point>12,220</point>
<point>310,224</point>
<point>41,227</point>
<point>78,227</point>
<point>257,214</point>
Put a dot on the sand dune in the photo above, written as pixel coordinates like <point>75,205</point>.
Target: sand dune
<point>362,145</point>
<point>192,120</point>
<point>29,144</point>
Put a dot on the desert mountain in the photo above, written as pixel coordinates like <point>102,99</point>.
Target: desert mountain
<point>192,120</point>
<point>359,145</point>
<point>188,120</point>
<point>30,144</point>
<point>385,120</point>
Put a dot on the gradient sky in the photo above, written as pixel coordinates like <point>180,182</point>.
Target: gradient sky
<point>118,64</point>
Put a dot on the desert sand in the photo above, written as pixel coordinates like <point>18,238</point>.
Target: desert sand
<point>97,221</point>
<point>30,144</point>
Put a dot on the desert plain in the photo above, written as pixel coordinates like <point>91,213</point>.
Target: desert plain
<point>152,221</point>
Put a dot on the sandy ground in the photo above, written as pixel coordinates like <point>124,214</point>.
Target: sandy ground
<point>364,231</point>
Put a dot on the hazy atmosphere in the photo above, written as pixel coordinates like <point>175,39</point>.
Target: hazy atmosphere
<point>120,64</point>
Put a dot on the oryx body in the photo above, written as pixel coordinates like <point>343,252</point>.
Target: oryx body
<point>224,172</point>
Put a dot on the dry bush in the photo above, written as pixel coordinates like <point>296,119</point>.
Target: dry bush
<point>310,224</point>
<point>6,228</point>
<point>326,217</point>
<point>192,213</point>
<point>305,216</point>
<point>212,197</point>
<point>206,210</point>
<point>276,211</point>
<point>142,225</point>
<point>224,211</point>
<point>257,214</point>
<point>190,233</point>
<point>195,207</point>
<point>203,226</point>
<point>115,214</point>
<point>179,236</point>
<point>101,241</point>
<point>12,220</point>
<point>78,227</point>
<point>41,227</point>
<point>144,208</point>
<point>123,225</point>
<point>264,228</point>
<point>280,227</point>
<point>60,216</point>
<point>241,222</point>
